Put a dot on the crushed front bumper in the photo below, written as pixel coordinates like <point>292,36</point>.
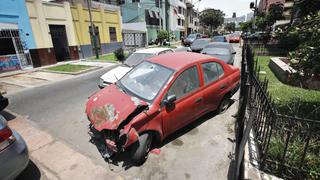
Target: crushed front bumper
<point>112,142</point>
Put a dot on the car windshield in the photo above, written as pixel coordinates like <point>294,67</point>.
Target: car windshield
<point>216,51</point>
<point>200,42</point>
<point>135,58</point>
<point>146,80</point>
<point>192,36</point>
<point>218,39</point>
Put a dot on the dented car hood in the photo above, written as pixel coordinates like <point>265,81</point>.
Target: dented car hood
<point>108,108</point>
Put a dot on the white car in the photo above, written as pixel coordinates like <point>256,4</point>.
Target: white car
<point>135,58</point>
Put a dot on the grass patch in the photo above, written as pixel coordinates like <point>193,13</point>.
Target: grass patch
<point>69,68</point>
<point>108,57</point>
<point>286,95</point>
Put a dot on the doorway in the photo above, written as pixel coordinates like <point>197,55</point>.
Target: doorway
<point>60,42</point>
<point>14,53</point>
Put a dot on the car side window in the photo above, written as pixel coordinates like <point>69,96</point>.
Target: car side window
<point>185,83</point>
<point>212,71</point>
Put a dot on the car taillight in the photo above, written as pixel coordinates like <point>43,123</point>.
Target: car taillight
<point>6,137</point>
<point>5,133</point>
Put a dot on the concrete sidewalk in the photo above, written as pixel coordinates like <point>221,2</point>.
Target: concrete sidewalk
<point>11,82</point>
<point>54,158</point>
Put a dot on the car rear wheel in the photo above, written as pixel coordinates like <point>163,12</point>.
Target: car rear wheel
<point>141,148</point>
<point>223,106</point>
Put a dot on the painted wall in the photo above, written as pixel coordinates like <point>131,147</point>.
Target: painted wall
<point>135,12</point>
<point>102,18</point>
<point>15,11</point>
<point>43,14</point>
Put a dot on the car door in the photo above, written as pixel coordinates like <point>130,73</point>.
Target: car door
<point>189,103</point>
<point>214,84</point>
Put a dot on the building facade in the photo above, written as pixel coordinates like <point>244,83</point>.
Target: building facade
<point>264,5</point>
<point>55,38</point>
<point>107,28</point>
<point>16,36</point>
<point>177,11</point>
<point>192,22</point>
<point>236,20</point>
<point>150,12</point>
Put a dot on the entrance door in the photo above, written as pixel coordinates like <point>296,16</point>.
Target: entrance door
<point>60,42</point>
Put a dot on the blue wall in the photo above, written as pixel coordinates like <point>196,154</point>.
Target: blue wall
<point>15,11</point>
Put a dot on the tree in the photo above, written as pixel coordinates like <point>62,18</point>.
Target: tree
<point>231,27</point>
<point>162,35</point>
<point>275,13</point>
<point>246,26</point>
<point>212,18</point>
<point>261,23</point>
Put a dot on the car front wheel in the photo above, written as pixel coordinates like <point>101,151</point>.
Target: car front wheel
<point>141,148</point>
<point>224,104</point>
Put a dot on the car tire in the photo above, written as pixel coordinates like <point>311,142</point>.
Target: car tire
<point>223,106</point>
<point>141,149</point>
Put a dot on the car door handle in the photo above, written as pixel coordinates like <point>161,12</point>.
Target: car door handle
<point>222,86</point>
<point>198,100</point>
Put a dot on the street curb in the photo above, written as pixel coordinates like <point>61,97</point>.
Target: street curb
<point>73,73</point>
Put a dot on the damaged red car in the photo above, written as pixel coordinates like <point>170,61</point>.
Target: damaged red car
<point>156,98</point>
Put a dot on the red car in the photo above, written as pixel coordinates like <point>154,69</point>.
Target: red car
<point>156,98</point>
<point>234,39</point>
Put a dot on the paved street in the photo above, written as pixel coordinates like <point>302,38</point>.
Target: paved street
<point>56,110</point>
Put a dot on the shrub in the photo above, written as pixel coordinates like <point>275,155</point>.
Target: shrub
<point>162,35</point>
<point>119,54</point>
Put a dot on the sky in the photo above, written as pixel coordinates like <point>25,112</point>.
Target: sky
<point>240,7</point>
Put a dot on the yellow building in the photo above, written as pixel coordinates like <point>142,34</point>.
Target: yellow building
<point>107,22</point>
<point>54,32</point>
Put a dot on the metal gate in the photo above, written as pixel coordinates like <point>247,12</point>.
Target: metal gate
<point>21,51</point>
<point>134,39</point>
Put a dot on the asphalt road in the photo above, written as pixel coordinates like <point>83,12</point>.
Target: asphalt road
<point>58,108</point>
<point>199,151</point>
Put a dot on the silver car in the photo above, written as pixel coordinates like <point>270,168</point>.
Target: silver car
<point>14,156</point>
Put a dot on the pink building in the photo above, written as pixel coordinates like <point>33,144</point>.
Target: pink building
<point>265,4</point>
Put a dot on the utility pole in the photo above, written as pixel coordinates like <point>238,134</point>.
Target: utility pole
<point>93,30</point>
<point>160,14</point>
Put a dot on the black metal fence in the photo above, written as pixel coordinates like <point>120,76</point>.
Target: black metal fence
<point>288,146</point>
<point>267,48</point>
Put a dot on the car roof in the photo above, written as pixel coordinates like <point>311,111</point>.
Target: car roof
<point>220,45</point>
<point>152,50</point>
<point>178,60</point>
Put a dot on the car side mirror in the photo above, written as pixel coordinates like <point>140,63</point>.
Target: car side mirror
<point>170,100</point>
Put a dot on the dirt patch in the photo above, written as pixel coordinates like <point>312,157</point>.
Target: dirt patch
<point>194,131</point>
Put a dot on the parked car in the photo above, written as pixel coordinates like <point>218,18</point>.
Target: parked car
<point>14,156</point>
<point>218,39</point>
<point>258,36</point>
<point>191,38</point>
<point>182,49</point>
<point>159,96</point>
<point>135,58</point>
<point>220,50</point>
<point>234,38</point>
<point>199,44</point>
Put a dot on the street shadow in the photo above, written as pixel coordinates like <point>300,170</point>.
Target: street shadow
<point>8,116</point>
<point>31,172</point>
<point>124,159</point>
